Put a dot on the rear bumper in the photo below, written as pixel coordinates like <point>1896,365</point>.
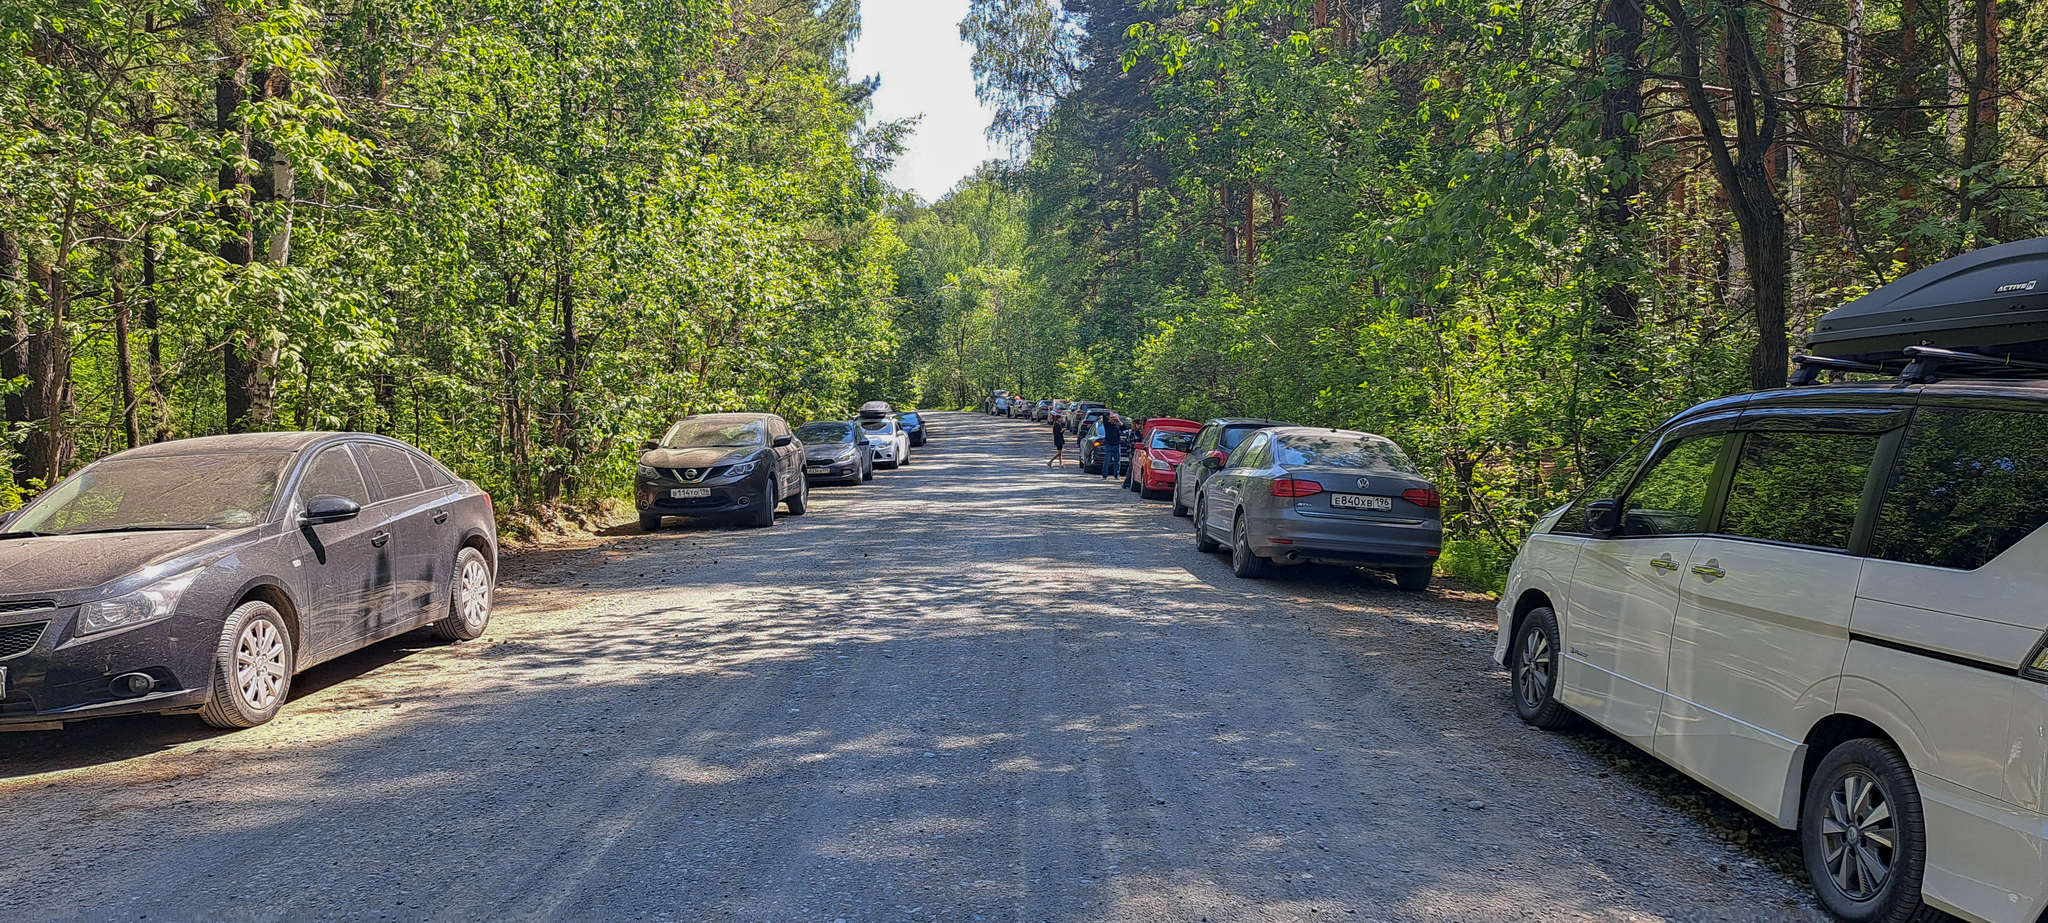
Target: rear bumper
<point>834,470</point>
<point>1287,536</point>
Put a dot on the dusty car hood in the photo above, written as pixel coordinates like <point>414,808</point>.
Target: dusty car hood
<point>71,565</point>
<point>705,457</point>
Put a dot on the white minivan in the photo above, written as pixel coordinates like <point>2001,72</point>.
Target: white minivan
<point>1826,603</point>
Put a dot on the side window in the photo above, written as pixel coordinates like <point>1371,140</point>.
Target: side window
<point>1247,452</point>
<point>1968,485</point>
<point>333,473</point>
<point>431,473</point>
<point>393,468</point>
<point>1207,440</point>
<point>1798,488</point>
<point>1607,486</point>
<point>1672,495</point>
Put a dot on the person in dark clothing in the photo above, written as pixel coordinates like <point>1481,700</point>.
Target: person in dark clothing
<point>1059,443</point>
<point>1112,446</point>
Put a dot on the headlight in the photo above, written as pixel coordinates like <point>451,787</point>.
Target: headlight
<point>740,470</point>
<point>647,471</point>
<point>845,452</point>
<point>1160,464</point>
<point>148,604</point>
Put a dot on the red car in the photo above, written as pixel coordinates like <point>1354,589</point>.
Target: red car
<point>1156,454</point>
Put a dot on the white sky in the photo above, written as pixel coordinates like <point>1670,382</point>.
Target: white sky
<point>915,46</point>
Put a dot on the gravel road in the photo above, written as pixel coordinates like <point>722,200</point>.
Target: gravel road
<point>974,689</point>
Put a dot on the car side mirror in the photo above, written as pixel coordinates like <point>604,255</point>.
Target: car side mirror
<point>1212,463</point>
<point>1602,517</point>
<point>781,441</point>
<point>649,446</point>
<point>328,509</point>
<point>862,441</point>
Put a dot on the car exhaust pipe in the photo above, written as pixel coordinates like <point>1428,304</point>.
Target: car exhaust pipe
<point>134,684</point>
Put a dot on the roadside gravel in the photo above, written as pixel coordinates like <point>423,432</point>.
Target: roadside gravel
<point>974,689</point>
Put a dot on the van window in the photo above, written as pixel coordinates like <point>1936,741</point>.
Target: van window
<point>1607,486</point>
<point>1799,488</point>
<point>1968,485</point>
<point>1673,493</point>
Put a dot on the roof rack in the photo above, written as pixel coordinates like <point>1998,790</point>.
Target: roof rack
<point>1920,365</point>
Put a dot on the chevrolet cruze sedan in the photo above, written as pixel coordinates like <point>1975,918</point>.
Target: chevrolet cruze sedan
<point>720,464</point>
<point>200,575</point>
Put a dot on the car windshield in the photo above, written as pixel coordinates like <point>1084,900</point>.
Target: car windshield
<point>912,419</point>
<point>825,432</point>
<point>1172,440</point>
<point>1341,450</point>
<point>878,426</point>
<point>227,491</point>
<point>698,433</point>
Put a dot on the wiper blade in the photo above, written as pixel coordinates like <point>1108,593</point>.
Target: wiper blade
<point>26,534</point>
<point>148,527</point>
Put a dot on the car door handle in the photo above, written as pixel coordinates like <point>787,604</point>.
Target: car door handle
<point>1664,563</point>
<point>440,516</point>
<point>1710,570</point>
<point>378,540</point>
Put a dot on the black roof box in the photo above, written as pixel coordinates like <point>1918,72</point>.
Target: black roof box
<point>1992,301</point>
<point>875,409</point>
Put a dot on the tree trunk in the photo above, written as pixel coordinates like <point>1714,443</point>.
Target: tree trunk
<point>1980,126</point>
<point>47,449</point>
<point>124,369</point>
<point>247,391</point>
<point>1621,107</point>
<point>568,434</point>
<point>160,406</point>
<point>14,344</point>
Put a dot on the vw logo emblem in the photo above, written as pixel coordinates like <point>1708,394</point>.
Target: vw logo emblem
<point>690,474</point>
<point>1364,483</point>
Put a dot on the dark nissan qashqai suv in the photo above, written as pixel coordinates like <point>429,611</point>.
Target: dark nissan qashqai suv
<point>200,575</point>
<point>721,463</point>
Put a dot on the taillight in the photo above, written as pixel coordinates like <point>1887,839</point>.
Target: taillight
<point>1423,497</point>
<point>1290,487</point>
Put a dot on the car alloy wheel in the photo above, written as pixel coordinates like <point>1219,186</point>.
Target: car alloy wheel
<point>1244,562</point>
<point>1863,835</point>
<point>1534,663</point>
<point>260,664</point>
<point>1203,543</point>
<point>469,605</point>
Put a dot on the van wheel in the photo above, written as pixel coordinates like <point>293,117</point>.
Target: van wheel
<point>1203,543</point>
<point>1862,835</point>
<point>252,668</point>
<point>1535,659</point>
<point>469,599</point>
<point>1244,562</point>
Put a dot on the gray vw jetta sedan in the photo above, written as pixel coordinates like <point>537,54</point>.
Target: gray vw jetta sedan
<point>1296,494</point>
<point>200,575</point>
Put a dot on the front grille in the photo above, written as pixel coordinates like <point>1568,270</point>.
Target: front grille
<point>27,605</point>
<point>16,640</point>
<point>703,474</point>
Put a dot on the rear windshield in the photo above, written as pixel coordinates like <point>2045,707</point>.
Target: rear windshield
<point>825,432</point>
<point>1336,450</point>
<point>1172,440</point>
<point>877,426</point>
<point>1237,434</point>
<point>698,433</point>
<point>192,491</point>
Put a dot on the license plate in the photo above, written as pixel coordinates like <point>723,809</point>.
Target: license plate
<point>690,493</point>
<point>817,469</point>
<point>1361,502</point>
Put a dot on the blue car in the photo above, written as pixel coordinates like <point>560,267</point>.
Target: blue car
<point>913,426</point>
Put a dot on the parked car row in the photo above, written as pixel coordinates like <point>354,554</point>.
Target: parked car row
<point>1276,494</point>
<point>747,464</point>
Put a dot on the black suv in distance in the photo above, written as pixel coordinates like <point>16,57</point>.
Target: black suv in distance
<point>720,463</point>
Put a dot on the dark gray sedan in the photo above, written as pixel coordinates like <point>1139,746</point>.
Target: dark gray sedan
<point>1296,494</point>
<point>201,575</point>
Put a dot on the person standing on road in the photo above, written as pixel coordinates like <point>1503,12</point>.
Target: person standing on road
<point>1112,446</point>
<point>1059,443</point>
